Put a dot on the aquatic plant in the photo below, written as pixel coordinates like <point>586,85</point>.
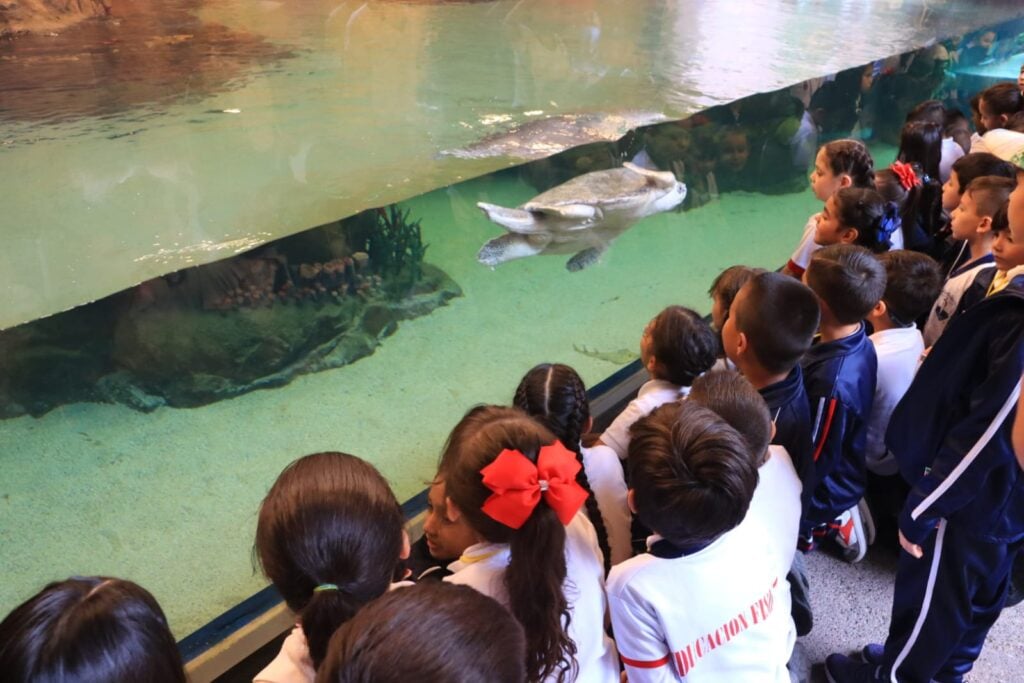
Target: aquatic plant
<point>396,250</point>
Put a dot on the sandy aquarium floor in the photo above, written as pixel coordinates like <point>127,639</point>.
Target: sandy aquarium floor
<point>169,499</point>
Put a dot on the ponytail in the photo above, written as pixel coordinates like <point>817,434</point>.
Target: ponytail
<point>329,537</point>
<point>874,219</point>
<point>554,395</point>
<point>536,572</point>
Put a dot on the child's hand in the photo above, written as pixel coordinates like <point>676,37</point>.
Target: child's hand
<point>912,548</point>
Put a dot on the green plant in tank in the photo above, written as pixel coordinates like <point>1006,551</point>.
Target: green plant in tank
<point>396,250</point>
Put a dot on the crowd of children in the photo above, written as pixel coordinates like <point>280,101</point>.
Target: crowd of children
<point>670,545</point>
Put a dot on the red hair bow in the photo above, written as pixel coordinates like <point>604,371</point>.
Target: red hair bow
<point>906,175</point>
<point>518,485</point>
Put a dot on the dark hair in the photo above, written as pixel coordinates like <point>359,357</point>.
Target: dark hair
<point>683,344</point>
<point>848,279</point>
<point>921,143</point>
<point>990,193</point>
<point>1016,122</point>
<point>779,316</point>
<point>554,395</point>
<point>1001,220</point>
<point>330,518</point>
<point>733,398</point>
<point>929,110</point>
<point>912,283</point>
<point>432,631</point>
<point>1002,98</point>
<point>852,158</point>
<point>978,164</point>
<point>952,119</point>
<point>921,205</point>
<point>874,219</point>
<point>691,473</point>
<point>728,283</point>
<point>89,628</point>
<point>536,569</point>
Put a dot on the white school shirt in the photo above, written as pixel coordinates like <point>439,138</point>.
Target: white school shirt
<point>482,566</point>
<point>801,258</point>
<point>949,298</point>
<point>898,351</point>
<point>951,151</point>
<point>608,482</point>
<point>652,394</point>
<point>722,613</point>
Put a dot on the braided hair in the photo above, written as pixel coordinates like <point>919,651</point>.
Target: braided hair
<point>554,395</point>
<point>852,158</point>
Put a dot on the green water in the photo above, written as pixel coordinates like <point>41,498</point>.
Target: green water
<point>356,115</point>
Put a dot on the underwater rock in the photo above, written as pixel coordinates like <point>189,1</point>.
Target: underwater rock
<point>190,357</point>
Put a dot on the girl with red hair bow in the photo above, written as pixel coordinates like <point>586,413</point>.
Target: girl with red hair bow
<point>515,485</point>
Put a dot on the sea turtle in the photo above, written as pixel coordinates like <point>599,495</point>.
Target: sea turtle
<point>581,216</point>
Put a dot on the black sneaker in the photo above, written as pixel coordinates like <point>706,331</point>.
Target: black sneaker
<point>843,669</point>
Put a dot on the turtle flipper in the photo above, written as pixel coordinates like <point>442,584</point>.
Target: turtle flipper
<point>582,259</point>
<point>509,247</point>
<point>662,179</point>
<point>515,220</point>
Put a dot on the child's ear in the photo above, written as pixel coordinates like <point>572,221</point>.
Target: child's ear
<point>631,501</point>
<point>406,546</point>
<point>984,226</point>
<point>845,180</point>
<point>879,310</point>
<point>652,365</point>
<point>741,343</point>
<point>451,510</point>
<point>849,236</point>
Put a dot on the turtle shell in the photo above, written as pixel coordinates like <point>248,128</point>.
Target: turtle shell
<point>614,187</point>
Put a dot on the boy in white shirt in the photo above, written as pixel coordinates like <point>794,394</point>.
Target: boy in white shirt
<point>693,479</point>
<point>912,282</point>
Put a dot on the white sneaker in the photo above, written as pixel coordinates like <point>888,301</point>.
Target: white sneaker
<point>850,535</point>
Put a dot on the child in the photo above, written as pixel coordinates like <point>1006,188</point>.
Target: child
<point>911,283</point>
<point>963,522</point>
<point>858,216</point>
<point>840,163</point>
<point>921,143</point>
<point>330,538</point>
<point>933,111</point>
<point>429,632</point>
<point>535,553</point>
<point>92,628</point>
<point>724,289</point>
<point>919,200</point>
<point>839,375</point>
<point>772,324</point>
<point>693,477</point>
<point>444,538</point>
<point>555,396</point>
<point>995,106</point>
<point>971,222</point>
<point>676,347</point>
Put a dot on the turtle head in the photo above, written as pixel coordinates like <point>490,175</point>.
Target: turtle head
<point>674,196</point>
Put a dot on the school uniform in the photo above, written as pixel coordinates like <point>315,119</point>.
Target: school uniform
<point>897,352</point>
<point>789,408</point>
<point>840,378</point>
<point>951,438</point>
<point>801,257</point>
<point>608,482</point>
<point>652,394</point>
<point>947,304</point>
<point>482,566</point>
<point>718,612</point>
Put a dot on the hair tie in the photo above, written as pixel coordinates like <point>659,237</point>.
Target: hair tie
<point>326,587</point>
<point>518,485</point>
<point>906,175</point>
<point>886,227</point>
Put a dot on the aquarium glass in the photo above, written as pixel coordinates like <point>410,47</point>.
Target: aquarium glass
<point>235,233</point>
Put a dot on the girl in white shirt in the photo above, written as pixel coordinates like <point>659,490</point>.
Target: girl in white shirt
<point>330,537</point>
<point>515,485</point>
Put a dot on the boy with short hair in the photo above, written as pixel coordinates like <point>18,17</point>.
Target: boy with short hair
<point>971,222</point>
<point>693,478</point>
<point>912,282</point>
<point>963,523</point>
<point>839,375</point>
